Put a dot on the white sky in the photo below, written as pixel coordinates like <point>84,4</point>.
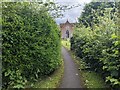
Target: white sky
<point>71,14</point>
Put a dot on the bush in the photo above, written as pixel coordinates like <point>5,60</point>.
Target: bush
<point>100,48</point>
<point>31,43</point>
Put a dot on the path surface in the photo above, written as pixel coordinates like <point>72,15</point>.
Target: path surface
<point>71,77</point>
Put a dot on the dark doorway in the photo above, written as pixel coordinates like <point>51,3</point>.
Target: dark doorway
<point>67,34</point>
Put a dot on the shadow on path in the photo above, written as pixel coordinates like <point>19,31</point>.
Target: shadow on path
<point>71,77</point>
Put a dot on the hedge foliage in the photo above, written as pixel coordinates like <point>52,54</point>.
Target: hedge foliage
<point>31,43</point>
<point>100,47</point>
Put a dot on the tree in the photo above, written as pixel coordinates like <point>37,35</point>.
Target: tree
<point>92,11</point>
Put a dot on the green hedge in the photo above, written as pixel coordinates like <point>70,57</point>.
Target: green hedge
<point>31,43</point>
<point>100,48</point>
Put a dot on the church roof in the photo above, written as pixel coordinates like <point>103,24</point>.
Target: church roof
<point>67,22</point>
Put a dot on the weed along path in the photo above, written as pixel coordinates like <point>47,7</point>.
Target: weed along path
<point>71,77</point>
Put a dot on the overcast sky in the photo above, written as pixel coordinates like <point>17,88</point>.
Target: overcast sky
<point>73,13</point>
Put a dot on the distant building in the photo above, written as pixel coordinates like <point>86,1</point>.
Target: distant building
<point>67,29</point>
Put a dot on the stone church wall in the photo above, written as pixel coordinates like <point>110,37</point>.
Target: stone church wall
<point>66,30</point>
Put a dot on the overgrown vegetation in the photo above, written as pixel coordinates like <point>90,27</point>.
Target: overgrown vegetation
<point>99,45</point>
<point>31,43</point>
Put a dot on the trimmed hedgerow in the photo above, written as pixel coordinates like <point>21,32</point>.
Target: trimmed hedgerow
<point>31,43</point>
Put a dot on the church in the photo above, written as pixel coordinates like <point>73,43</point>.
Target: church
<point>67,29</point>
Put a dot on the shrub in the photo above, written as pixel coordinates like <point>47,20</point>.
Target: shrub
<point>100,48</point>
<point>31,43</point>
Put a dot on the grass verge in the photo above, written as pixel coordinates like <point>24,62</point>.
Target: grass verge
<point>52,81</point>
<point>66,43</point>
<point>91,79</point>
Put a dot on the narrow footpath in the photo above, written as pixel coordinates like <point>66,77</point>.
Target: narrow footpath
<point>71,78</point>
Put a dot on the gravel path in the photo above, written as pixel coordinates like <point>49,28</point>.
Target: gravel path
<point>71,77</point>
